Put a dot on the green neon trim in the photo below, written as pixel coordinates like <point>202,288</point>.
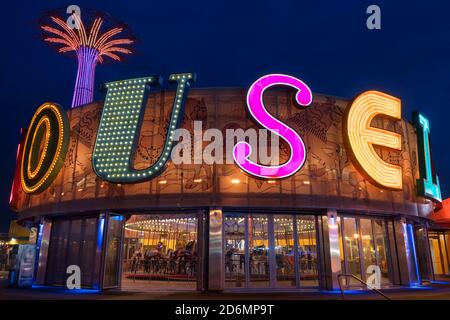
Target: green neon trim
<point>120,125</point>
<point>428,184</point>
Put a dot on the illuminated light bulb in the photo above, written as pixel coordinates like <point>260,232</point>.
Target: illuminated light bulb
<point>53,119</point>
<point>235,181</point>
<point>131,122</point>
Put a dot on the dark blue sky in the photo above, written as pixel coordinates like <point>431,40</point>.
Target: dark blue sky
<point>231,43</point>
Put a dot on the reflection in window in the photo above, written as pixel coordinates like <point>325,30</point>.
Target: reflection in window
<point>254,258</point>
<point>382,247</point>
<point>447,245</point>
<point>259,250</point>
<point>436,255</point>
<point>368,248</point>
<point>439,252</point>
<point>284,251</point>
<point>307,251</point>
<point>371,235</point>
<point>72,242</point>
<point>234,236</point>
<point>444,253</point>
<point>351,237</point>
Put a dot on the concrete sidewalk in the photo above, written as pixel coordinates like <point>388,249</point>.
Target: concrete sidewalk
<point>433,291</point>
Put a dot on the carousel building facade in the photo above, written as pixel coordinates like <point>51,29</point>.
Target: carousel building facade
<point>82,179</point>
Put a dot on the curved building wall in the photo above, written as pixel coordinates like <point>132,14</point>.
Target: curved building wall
<point>327,180</point>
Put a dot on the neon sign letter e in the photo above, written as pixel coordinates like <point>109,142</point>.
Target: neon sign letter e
<point>361,137</point>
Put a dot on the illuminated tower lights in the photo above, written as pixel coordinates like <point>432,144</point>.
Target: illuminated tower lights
<point>90,46</point>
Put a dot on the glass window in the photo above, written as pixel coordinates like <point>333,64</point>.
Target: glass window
<point>72,242</point>
<point>368,249</point>
<point>382,249</point>
<point>258,250</point>
<point>351,237</point>
<point>435,255</point>
<point>447,247</point>
<point>160,252</point>
<point>234,236</point>
<point>56,264</point>
<point>284,251</point>
<point>444,253</point>
<point>307,251</point>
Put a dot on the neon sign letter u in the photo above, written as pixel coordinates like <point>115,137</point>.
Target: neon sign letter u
<point>242,150</point>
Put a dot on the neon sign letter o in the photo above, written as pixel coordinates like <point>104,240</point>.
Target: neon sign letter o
<point>45,147</point>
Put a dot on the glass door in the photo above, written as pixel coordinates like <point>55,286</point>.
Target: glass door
<point>266,251</point>
<point>351,249</point>
<point>365,245</point>
<point>369,257</point>
<point>382,250</point>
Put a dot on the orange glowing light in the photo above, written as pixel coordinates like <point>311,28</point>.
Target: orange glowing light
<point>49,127</point>
<point>361,137</point>
<point>91,37</point>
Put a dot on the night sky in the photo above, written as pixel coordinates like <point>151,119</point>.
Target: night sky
<point>232,43</point>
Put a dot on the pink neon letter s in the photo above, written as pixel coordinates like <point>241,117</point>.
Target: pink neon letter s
<point>242,149</point>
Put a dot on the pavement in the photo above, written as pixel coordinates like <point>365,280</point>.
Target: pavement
<point>439,290</point>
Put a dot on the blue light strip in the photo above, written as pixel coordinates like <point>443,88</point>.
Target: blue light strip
<point>65,290</point>
<point>100,233</point>
<point>413,248</point>
<point>38,250</point>
<point>100,236</point>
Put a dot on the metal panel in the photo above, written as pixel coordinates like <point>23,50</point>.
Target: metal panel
<point>98,270</point>
<point>119,260</point>
<point>401,251</point>
<point>272,260</point>
<point>335,252</point>
<point>324,252</point>
<point>201,231</point>
<point>43,252</point>
<point>330,253</point>
<point>247,252</point>
<point>393,256</point>
<point>411,253</point>
<point>296,258</point>
<point>216,266</point>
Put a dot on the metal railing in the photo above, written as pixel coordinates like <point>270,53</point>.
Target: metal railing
<point>361,281</point>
